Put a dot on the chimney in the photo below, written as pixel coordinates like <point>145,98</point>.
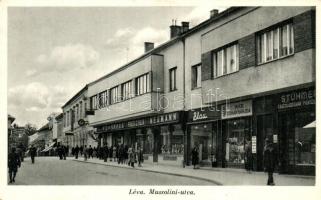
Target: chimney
<point>175,29</point>
<point>148,46</point>
<point>213,12</point>
<point>185,26</point>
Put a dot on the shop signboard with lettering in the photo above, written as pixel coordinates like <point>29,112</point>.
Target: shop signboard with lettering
<point>203,114</point>
<point>142,122</point>
<point>296,99</point>
<point>238,109</point>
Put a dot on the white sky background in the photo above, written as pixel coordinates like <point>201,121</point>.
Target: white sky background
<point>54,52</point>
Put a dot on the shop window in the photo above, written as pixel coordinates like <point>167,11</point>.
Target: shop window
<point>172,140</point>
<point>304,138</point>
<point>275,43</point>
<point>202,138</point>
<point>238,132</point>
<point>226,60</point>
<point>148,142</point>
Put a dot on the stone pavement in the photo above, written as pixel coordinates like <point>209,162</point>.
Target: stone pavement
<point>218,176</point>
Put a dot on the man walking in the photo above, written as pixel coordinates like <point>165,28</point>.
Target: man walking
<point>32,151</point>
<point>270,160</point>
<point>13,164</point>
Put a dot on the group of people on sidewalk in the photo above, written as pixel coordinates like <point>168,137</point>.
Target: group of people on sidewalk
<point>122,154</point>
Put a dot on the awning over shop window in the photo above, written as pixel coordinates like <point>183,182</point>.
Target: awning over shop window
<point>311,125</point>
<point>49,147</point>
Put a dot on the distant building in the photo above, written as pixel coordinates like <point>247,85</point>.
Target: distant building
<point>16,135</point>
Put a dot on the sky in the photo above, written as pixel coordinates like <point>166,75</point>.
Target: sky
<point>53,52</point>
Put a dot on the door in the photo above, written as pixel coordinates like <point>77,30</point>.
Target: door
<point>264,130</point>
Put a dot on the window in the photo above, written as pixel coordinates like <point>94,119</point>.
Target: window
<point>142,84</point>
<point>196,76</point>
<point>226,60</point>
<point>275,44</point>
<point>103,99</point>
<point>93,102</point>
<point>172,79</point>
<point>126,90</point>
<point>68,115</point>
<point>114,98</point>
<point>80,110</point>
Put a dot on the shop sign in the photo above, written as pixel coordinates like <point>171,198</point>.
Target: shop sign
<point>239,109</point>
<point>275,138</point>
<point>203,114</point>
<point>169,157</point>
<point>296,99</point>
<point>253,144</point>
<point>135,123</point>
<point>164,118</point>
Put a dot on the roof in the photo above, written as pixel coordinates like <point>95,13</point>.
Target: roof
<point>59,116</point>
<point>171,41</point>
<point>45,127</point>
<point>76,96</point>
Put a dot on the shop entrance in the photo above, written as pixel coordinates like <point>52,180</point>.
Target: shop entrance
<point>264,130</point>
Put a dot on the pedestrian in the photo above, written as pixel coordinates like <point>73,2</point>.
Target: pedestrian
<point>85,152</point>
<point>76,151</point>
<point>132,157</point>
<point>64,151</point>
<point>105,153</point>
<point>195,157</point>
<point>73,151</point>
<point>115,153</point>
<point>90,152</point>
<point>59,151</point>
<point>248,155</point>
<point>13,164</point>
<point>32,151</point>
<point>22,151</point>
<point>125,154</point>
<point>270,160</point>
<point>81,150</point>
<point>120,154</point>
<point>140,156</point>
<point>94,152</point>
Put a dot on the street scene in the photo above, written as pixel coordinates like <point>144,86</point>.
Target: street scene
<point>208,96</point>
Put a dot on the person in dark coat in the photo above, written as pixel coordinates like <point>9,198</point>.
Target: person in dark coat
<point>105,152</point>
<point>73,151</point>
<point>81,150</point>
<point>33,152</point>
<point>13,164</point>
<point>59,152</point>
<point>76,151</point>
<point>120,154</point>
<point>90,152</point>
<point>125,154</point>
<point>195,157</point>
<point>140,156</point>
<point>270,160</point>
<point>131,156</point>
<point>248,156</point>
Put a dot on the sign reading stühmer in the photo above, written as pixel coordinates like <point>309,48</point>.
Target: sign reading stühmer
<point>296,99</point>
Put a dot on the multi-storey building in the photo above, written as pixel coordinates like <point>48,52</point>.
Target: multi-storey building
<point>76,130</point>
<point>225,85</point>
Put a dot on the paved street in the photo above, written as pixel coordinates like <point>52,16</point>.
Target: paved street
<point>52,171</point>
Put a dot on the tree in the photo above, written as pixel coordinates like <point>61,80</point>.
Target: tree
<point>30,129</point>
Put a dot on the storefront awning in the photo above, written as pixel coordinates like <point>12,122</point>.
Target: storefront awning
<point>49,147</point>
<point>311,125</point>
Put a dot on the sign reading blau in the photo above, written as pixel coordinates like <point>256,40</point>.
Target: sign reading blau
<point>238,109</point>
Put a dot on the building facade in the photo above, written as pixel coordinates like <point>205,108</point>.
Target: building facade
<point>76,130</point>
<point>223,86</point>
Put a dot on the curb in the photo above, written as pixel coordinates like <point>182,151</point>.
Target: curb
<point>152,171</point>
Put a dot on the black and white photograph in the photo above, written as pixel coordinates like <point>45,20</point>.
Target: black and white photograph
<point>157,99</point>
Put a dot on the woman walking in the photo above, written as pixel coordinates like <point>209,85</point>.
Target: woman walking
<point>195,157</point>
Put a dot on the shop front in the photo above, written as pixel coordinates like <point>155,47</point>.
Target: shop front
<point>297,131</point>
<point>160,136</point>
<point>237,134</point>
<point>203,133</point>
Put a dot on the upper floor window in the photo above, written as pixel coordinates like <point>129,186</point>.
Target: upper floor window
<point>275,43</point>
<point>80,110</point>
<point>172,79</point>
<point>126,90</point>
<point>226,60</point>
<point>114,98</point>
<point>93,102</point>
<point>196,76</point>
<point>103,99</point>
<point>142,84</point>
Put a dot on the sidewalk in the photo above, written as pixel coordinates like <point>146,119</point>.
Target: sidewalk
<point>217,176</point>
